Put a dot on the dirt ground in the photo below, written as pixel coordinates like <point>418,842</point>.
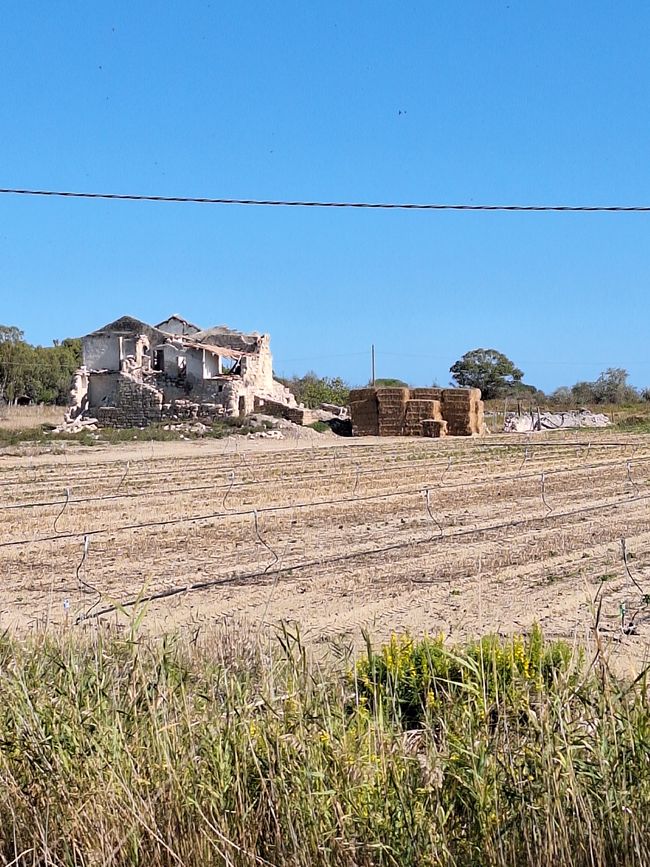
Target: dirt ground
<point>460,536</point>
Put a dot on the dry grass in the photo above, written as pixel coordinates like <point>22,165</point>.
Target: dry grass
<point>220,750</point>
<point>21,417</point>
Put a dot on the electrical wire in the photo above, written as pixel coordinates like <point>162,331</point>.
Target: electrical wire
<point>394,206</point>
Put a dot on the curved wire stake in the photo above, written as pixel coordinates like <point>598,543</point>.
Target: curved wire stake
<point>84,586</point>
<point>427,500</point>
<point>231,476</point>
<point>86,546</point>
<point>627,568</point>
<point>524,461</point>
<point>446,470</point>
<point>543,493</point>
<point>266,545</point>
<point>356,479</point>
<point>630,479</point>
<point>272,590</point>
<point>64,507</point>
<point>123,479</point>
<point>244,463</point>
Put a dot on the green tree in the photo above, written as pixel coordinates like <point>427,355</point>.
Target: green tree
<point>43,374</point>
<point>390,383</point>
<point>612,387</point>
<point>312,390</point>
<point>12,361</point>
<point>487,369</point>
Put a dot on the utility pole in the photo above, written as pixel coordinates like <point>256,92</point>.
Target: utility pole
<point>372,353</point>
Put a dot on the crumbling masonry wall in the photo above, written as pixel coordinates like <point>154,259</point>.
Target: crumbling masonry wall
<point>295,414</point>
<point>137,404</point>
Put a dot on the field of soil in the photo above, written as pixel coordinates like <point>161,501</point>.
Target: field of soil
<point>460,536</point>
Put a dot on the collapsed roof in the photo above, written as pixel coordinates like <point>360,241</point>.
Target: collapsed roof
<point>220,340</point>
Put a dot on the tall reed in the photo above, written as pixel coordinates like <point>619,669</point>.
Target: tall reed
<point>131,751</point>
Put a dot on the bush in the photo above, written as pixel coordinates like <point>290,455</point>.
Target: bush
<point>312,390</point>
<point>412,676</point>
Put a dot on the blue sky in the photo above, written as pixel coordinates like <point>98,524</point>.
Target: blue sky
<point>472,101</point>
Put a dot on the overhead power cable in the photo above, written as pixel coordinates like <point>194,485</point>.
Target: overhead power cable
<point>380,206</point>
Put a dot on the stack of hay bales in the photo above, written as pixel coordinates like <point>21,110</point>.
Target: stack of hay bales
<point>431,412</point>
<point>417,412</point>
<point>462,409</point>
<point>364,412</point>
<point>391,403</point>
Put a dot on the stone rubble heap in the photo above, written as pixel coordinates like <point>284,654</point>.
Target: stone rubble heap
<point>76,425</point>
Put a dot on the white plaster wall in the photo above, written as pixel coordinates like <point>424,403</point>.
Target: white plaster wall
<point>195,365</point>
<point>211,366</point>
<point>174,326</point>
<point>102,389</point>
<point>101,352</point>
<point>171,354</point>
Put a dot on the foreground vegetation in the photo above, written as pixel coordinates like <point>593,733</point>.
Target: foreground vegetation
<point>160,432</point>
<point>120,750</point>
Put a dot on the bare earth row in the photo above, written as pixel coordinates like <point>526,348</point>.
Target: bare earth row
<point>454,536</point>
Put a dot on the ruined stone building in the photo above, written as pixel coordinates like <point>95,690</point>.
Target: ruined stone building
<point>134,374</point>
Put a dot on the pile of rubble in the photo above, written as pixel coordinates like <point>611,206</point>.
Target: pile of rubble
<point>71,425</point>
<point>266,435</point>
<point>189,409</point>
<point>535,421</point>
<point>196,427</point>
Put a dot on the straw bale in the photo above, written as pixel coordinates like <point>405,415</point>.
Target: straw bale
<point>387,394</point>
<point>457,396</point>
<point>459,428</point>
<point>434,428</point>
<point>426,394</point>
<point>390,401</point>
<point>365,420</point>
<point>363,407</point>
<point>392,410</point>
<point>417,404</point>
<point>357,394</point>
<point>391,406</point>
<point>478,418</point>
<point>458,416</point>
<point>421,408</point>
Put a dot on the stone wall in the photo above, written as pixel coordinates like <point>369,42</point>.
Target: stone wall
<point>136,405</point>
<point>279,410</point>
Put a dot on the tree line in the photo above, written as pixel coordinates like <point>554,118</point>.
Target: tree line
<point>497,377</point>
<point>36,374</point>
<point>43,374</point>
